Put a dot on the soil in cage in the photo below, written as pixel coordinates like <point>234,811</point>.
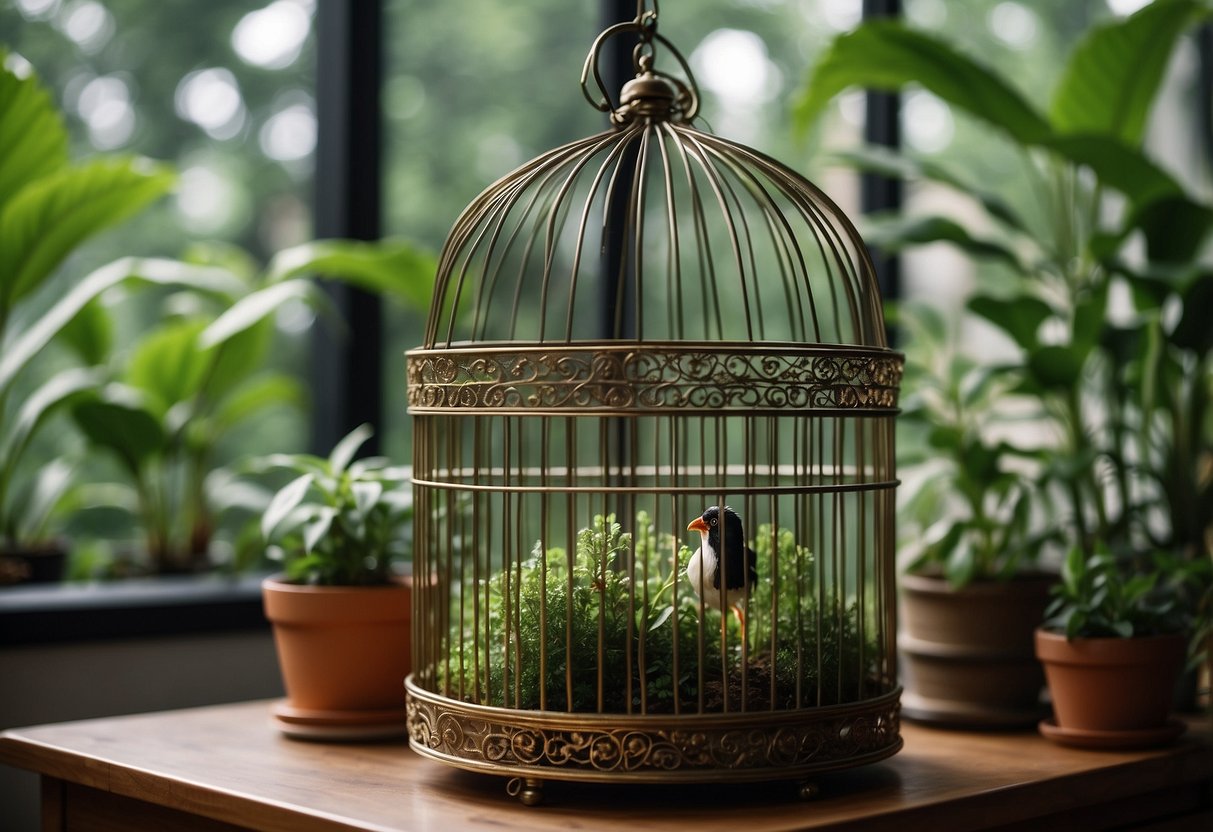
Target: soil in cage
<point>658,699</point>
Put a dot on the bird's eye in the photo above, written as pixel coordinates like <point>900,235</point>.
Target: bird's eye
<point>713,521</point>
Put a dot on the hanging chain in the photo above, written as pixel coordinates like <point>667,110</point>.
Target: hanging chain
<point>644,27</point>
<point>643,52</point>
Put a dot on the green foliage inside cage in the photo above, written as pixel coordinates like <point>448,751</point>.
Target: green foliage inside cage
<point>614,605</point>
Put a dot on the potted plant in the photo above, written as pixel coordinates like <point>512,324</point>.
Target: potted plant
<point>1112,646</point>
<point>340,611</point>
<point>1125,397</point>
<point>49,207</point>
<point>178,392</point>
<point>972,592</point>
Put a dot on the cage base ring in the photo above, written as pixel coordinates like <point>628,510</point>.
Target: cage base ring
<point>688,748</point>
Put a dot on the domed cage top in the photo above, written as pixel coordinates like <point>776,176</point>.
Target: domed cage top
<point>629,334</point>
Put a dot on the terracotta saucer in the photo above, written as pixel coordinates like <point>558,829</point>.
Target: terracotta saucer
<point>304,723</point>
<point>1112,740</point>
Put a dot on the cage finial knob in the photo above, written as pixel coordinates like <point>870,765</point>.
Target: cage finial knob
<point>648,95</point>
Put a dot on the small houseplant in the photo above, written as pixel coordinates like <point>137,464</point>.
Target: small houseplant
<point>1113,646</point>
<point>972,593</point>
<point>340,610</point>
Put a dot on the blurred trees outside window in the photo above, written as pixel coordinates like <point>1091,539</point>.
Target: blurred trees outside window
<point>222,90</point>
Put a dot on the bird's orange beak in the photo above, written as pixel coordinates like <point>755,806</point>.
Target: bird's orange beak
<point>697,525</point>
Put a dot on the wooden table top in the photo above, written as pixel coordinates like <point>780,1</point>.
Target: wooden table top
<point>229,763</point>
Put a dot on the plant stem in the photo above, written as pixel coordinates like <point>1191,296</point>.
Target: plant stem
<point>669,583</point>
<point>1062,216</point>
<point>1040,192</point>
<point>1116,418</point>
<point>147,510</point>
<point>1077,441</point>
<point>1198,409</point>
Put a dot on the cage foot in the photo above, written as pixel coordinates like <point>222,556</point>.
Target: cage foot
<point>528,790</point>
<point>808,790</point>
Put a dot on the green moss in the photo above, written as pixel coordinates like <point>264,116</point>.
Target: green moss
<point>803,648</point>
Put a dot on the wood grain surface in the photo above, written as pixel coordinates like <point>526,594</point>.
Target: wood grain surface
<point>229,763</point>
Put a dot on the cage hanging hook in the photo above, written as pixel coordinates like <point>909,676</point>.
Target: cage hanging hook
<point>644,26</point>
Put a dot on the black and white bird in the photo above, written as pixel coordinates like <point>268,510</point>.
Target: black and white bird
<point>722,533</point>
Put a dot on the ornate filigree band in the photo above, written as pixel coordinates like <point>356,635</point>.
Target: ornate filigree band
<point>750,746</point>
<point>652,378</point>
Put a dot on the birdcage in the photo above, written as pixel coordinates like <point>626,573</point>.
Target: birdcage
<point>628,335</point>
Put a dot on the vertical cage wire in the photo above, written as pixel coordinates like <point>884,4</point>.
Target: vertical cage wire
<point>575,412</point>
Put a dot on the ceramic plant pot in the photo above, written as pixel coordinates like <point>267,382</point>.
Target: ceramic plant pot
<point>1111,692</point>
<point>966,654</point>
<point>344,653</point>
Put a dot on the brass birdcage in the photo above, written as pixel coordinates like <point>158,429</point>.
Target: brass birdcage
<point>626,334</point>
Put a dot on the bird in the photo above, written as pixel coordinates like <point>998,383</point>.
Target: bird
<point>740,566</point>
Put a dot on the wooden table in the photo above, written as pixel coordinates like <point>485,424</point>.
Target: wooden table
<point>226,767</point>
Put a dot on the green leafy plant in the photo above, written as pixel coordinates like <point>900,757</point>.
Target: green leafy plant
<point>341,521</point>
<point>970,517</point>
<point>1100,598</point>
<point>614,607</point>
<point>49,207</point>
<point>1129,400</point>
<point>176,393</point>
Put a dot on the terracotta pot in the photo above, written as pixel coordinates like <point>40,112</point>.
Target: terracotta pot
<point>967,653</point>
<point>1111,684</point>
<point>341,649</point>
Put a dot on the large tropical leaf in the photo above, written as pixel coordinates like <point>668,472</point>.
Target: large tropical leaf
<point>894,233</point>
<point>60,389</point>
<point>167,364</point>
<point>395,269</point>
<point>28,343</point>
<point>1020,317</point>
<point>1119,166</point>
<point>47,492</point>
<point>252,309</point>
<point>237,358</point>
<point>1055,367</point>
<point>223,255</point>
<point>47,219</point>
<point>885,162</point>
<point>119,419</point>
<point>887,55</point>
<point>1193,331</point>
<point>256,394</point>
<point>33,140</point>
<point>1175,228</point>
<point>90,335</point>
<point>1112,77</point>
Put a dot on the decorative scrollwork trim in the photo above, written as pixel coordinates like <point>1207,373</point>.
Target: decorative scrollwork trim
<point>653,378</point>
<point>754,745</point>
